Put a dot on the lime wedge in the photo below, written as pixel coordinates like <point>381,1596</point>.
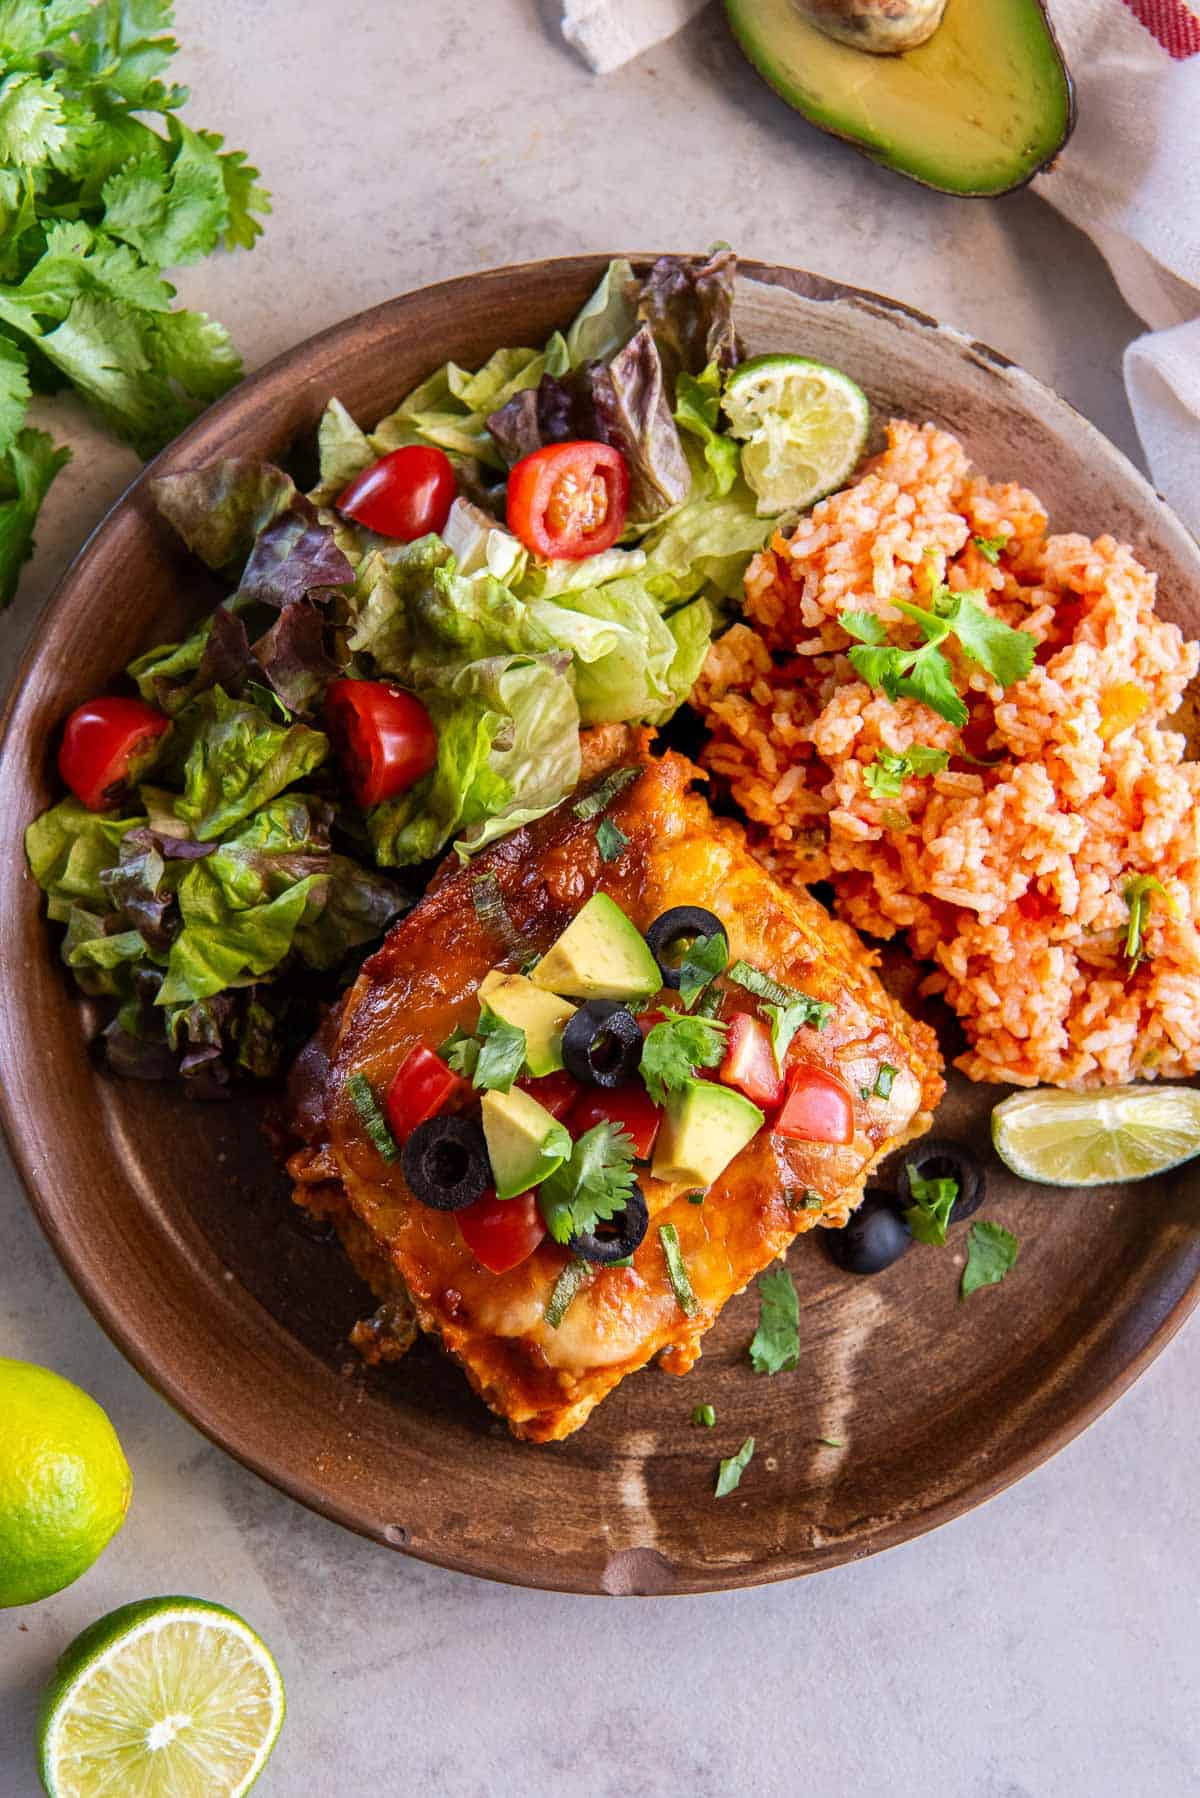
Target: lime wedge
<point>166,1698</point>
<point>802,425</point>
<point>1097,1139</point>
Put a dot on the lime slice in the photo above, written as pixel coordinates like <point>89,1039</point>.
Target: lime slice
<point>165,1698</point>
<point>803,427</point>
<point>1097,1139</point>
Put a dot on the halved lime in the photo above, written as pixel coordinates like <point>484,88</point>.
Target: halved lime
<point>1100,1138</point>
<point>165,1698</point>
<point>803,427</point>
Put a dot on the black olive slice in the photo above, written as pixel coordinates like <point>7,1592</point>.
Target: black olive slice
<point>937,1158</point>
<point>876,1236</point>
<point>619,1238</point>
<point>445,1162</point>
<point>672,930</point>
<point>602,1044</point>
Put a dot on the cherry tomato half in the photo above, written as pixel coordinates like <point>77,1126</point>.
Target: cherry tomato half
<point>555,1093</point>
<point>819,1108</point>
<point>406,494</point>
<point>421,1087</point>
<point>750,1060</point>
<point>501,1233</point>
<point>385,739</point>
<point>102,744</point>
<point>631,1107</point>
<point>568,500</point>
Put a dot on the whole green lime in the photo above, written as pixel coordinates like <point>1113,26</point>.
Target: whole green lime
<point>64,1483</point>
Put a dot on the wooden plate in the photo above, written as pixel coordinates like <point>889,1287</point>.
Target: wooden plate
<point>176,1229</point>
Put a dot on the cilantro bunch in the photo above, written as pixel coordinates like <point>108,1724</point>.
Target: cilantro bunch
<point>925,673</point>
<point>95,202</point>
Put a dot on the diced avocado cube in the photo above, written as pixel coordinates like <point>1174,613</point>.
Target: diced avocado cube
<point>542,1016</point>
<point>600,955</point>
<point>704,1126</point>
<point>524,1143</point>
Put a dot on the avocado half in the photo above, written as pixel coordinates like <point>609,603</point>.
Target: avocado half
<point>978,109</point>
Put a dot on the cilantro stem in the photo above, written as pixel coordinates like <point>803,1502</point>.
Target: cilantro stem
<point>362,1097</point>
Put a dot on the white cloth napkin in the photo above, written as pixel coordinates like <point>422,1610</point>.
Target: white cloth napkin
<point>1130,178</point>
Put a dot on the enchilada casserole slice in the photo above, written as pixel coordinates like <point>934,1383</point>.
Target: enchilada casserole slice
<point>543,1342</point>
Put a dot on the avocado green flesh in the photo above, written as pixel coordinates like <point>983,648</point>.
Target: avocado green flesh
<point>524,1143</point>
<point>600,955</point>
<point>703,1128</point>
<point>978,109</point>
<point>542,1016</point>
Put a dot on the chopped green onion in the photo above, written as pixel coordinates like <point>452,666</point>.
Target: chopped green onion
<point>704,1417</point>
<point>573,1278</point>
<point>817,1011</point>
<point>611,840</point>
<point>729,1476</point>
<point>493,913</point>
<point>677,1271</point>
<point>601,797</point>
<point>695,1198</point>
<point>806,1200</point>
<point>709,1003</point>
<point>371,1117</point>
<point>831,1441</point>
<point>885,1079</point>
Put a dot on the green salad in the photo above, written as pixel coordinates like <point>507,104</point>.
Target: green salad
<point>405,660</point>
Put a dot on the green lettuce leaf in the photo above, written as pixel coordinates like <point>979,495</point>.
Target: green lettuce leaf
<point>234,759</point>
<point>68,849</point>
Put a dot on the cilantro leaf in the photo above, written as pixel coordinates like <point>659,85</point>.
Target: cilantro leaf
<point>94,203</point>
<point>704,958</point>
<point>923,759</point>
<point>868,627</point>
<point>929,1213</point>
<point>592,1185</point>
<point>991,1253</point>
<point>776,1344</point>
<point>932,682</point>
<point>25,476</point>
<point>924,674</point>
<point>990,547</point>
<point>611,840</point>
<point>501,1053</point>
<point>785,1020</point>
<point>675,1048</point>
<point>885,776</point>
<point>729,1475</point>
<point>460,1051</point>
<point>1007,654</point>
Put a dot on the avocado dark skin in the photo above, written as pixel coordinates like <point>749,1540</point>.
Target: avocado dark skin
<point>977,109</point>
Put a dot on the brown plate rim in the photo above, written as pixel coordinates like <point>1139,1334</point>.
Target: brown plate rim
<point>198,1406</point>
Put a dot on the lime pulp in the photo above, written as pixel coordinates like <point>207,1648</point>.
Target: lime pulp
<point>165,1698</point>
<point>1058,1138</point>
<point>802,425</point>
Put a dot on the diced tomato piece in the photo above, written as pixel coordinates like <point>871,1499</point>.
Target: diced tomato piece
<point>406,494</point>
<point>568,500</point>
<point>501,1233</point>
<point>421,1087</point>
<point>104,743</point>
<point>749,1062</point>
<point>629,1106</point>
<point>556,1093</point>
<point>819,1108</point>
<point>384,737</point>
